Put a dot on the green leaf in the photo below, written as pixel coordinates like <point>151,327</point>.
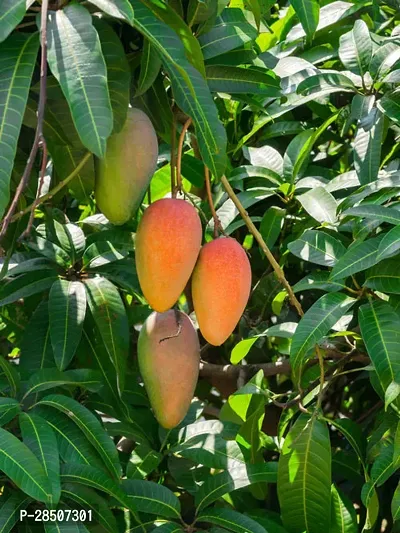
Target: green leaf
<point>22,467</point>
<point>90,426</point>
<point>41,440</point>
<point>317,247</point>
<point>318,281</point>
<point>314,325</point>
<point>49,378</point>
<point>390,215</point>
<point>17,61</point>
<point>11,374</point>
<point>76,60</point>
<point>89,499</point>
<point>308,13</point>
<point>71,238</point>
<point>390,244</point>
<point>142,462</point>
<point>9,408</point>
<point>367,149</point>
<point>324,82</point>
<point>11,14</point>
<point>214,487</point>
<point>67,309</point>
<point>320,204</point>
<point>230,31</point>
<point>102,253</point>
<point>189,87</point>
<point>343,514</point>
<point>152,498</point>
<point>36,350</point>
<point>359,256</point>
<point>50,250</point>
<point>231,520</point>
<point>66,158</point>
<point>118,71</point>
<point>119,9</point>
<point>26,285</point>
<point>380,330</point>
<point>304,477</point>
<point>229,79</point>
<point>212,451</point>
<point>389,104</point>
<point>150,65</point>
<point>271,225</point>
<point>391,393</point>
<point>92,477</point>
<point>109,314</point>
<point>353,433</point>
<point>11,509</point>
<point>355,49</point>
<point>396,504</point>
<point>241,349</point>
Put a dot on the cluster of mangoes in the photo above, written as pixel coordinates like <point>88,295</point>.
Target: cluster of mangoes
<point>169,253</point>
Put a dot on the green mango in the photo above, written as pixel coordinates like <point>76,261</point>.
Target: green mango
<point>124,174</point>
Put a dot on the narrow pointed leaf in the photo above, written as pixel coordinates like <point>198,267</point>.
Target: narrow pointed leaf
<point>390,215</point>
<point>317,247</point>
<point>359,256</point>
<point>314,325</point>
<point>308,13</point>
<point>149,497</point>
<point>304,477</point>
<point>367,149</point>
<point>238,80</point>
<point>231,520</point>
<point>355,50</point>
<point>119,9</point>
<point>11,14</point>
<point>10,511</point>
<point>149,68</point>
<point>76,61</point>
<point>90,426</point>
<point>41,440</point>
<point>67,309</point>
<point>212,451</point>
<point>26,285</point>
<point>9,408</point>
<point>343,514</point>
<point>17,61</point>
<point>49,378</point>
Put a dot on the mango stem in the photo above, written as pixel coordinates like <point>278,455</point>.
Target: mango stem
<point>185,127</point>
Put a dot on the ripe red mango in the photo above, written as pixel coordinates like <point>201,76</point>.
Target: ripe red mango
<point>168,242</point>
<point>125,172</point>
<point>169,357</point>
<point>221,284</point>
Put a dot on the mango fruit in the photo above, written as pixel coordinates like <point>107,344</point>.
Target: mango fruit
<point>169,357</point>
<point>124,174</point>
<point>168,242</point>
<point>221,284</point>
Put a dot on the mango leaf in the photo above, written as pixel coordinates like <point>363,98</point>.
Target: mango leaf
<point>67,309</point>
<point>229,79</point>
<point>380,329</point>
<point>271,225</point>
<point>212,451</point>
<point>118,71</point>
<point>189,87</point>
<point>359,256</point>
<point>71,239</point>
<point>169,527</point>
<point>377,212</point>
<point>367,148</point>
<point>142,462</point>
<point>214,487</point>
<point>11,509</point>
<point>109,314</point>
<point>41,440</point>
<point>17,61</point>
<point>318,281</point>
<point>152,498</point>
<point>355,49</point>
<point>26,285</point>
<point>11,374</point>
<point>119,9</point>
<point>9,408</point>
<point>389,105</point>
<point>11,14</point>
<point>320,204</point>
<point>90,426</point>
<point>343,514</point>
<point>317,247</point>
<point>92,477</point>
<point>22,467</point>
<point>241,349</point>
<point>76,60</point>
<point>316,323</point>
<point>102,253</point>
<point>231,520</point>
<point>49,378</point>
<point>150,65</point>
<point>308,13</point>
<point>304,477</point>
<point>324,82</point>
<point>66,158</point>
<point>89,499</point>
<point>396,504</point>
<point>230,31</point>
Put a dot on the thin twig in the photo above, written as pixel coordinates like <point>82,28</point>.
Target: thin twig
<point>39,191</point>
<point>173,157</point>
<point>217,223</point>
<point>257,235</point>
<point>322,375</point>
<point>39,128</point>
<point>185,127</point>
<point>56,189</point>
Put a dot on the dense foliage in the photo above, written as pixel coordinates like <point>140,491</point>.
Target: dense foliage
<point>295,111</point>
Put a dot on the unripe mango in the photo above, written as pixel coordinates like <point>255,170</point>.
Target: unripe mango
<point>221,284</point>
<point>168,242</point>
<point>169,357</point>
<point>125,172</point>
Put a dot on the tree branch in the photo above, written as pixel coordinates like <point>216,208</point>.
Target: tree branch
<point>217,224</point>
<point>179,158</point>
<point>39,128</point>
